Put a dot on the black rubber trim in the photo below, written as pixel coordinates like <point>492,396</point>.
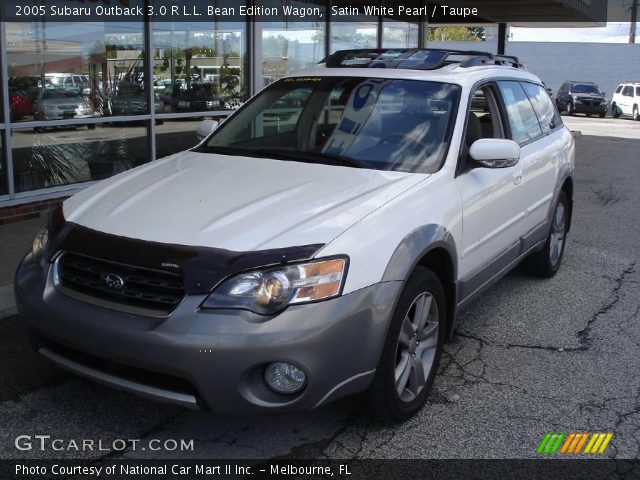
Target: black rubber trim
<point>202,268</point>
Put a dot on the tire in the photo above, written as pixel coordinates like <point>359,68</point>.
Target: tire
<point>636,113</point>
<point>91,126</point>
<point>570,110</point>
<point>546,262</point>
<point>615,111</point>
<point>395,400</point>
<point>602,114</point>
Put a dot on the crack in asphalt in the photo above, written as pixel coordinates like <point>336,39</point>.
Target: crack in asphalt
<point>583,335</point>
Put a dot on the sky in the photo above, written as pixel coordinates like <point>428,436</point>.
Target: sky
<point>614,32</point>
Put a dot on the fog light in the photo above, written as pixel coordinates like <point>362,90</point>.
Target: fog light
<point>285,378</point>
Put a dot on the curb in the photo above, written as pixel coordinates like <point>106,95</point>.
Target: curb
<point>7,302</point>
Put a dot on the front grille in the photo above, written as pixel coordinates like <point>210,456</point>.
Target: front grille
<point>121,287</point>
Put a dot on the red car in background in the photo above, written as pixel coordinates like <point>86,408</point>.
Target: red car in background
<point>22,94</point>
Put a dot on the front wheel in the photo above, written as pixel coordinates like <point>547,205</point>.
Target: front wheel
<point>636,113</point>
<point>603,114</point>
<point>547,261</point>
<point>570,109</point>
<point>615,111</point>
<point>412,350</point>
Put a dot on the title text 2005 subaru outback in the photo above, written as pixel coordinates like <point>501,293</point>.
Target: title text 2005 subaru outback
<point>317,244</point>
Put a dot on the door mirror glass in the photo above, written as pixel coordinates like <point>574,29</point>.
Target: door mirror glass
<point>495,152</point>
<point>206,128</point>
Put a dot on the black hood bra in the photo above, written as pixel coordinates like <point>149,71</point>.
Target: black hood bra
<point>202,268</point>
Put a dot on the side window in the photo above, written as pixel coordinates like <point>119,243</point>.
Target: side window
<point>522,118</point>
<point>543,106</point>
<point>619,89</point>
<point>628,91</point>
<point>637,91</point>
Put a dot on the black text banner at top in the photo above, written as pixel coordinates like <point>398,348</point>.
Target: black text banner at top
<point>594,12</point>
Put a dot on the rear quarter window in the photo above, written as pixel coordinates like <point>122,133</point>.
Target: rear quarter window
<point>522,118</point>
<point>548,116</point>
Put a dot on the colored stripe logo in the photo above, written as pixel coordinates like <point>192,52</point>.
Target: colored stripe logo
<point>574,443</point>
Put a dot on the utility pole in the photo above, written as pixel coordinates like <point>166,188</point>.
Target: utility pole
<point>634,22</point>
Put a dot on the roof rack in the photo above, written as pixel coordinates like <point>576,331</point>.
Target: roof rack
<point>417,58</point>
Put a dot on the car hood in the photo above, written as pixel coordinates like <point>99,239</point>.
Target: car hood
<point>235,203</point>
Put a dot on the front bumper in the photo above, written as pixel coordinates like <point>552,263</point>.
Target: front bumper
<point>220,356</point>
<point>580,107</point>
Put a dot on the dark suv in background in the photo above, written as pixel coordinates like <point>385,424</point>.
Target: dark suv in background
<point>582,97</point>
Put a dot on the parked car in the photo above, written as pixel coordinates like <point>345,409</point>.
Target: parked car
<point>626,100</point>
<point>72,82</point>
<point>198,97</point>
<point>279,267</point>
<point>582,97</point>
<point>22,94</point>
<point>58,104</point>
<point>131,99</point>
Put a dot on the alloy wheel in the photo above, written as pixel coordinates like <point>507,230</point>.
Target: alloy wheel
<point>557,234</point>
<point>416,350</point>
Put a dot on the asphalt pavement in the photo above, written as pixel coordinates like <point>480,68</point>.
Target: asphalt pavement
<point>529,357</point>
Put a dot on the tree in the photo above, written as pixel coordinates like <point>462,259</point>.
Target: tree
<point>457,34</point>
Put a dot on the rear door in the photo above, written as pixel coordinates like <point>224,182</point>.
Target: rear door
<point>542,159</point>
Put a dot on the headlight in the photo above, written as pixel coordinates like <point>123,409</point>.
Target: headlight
<point>40,244</point>
<point>269,291</point>
<point>576,98</point>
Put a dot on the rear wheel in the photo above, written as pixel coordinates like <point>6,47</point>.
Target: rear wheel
<point>412,350</point>
<point>603,114</point>
<point>547,261</point>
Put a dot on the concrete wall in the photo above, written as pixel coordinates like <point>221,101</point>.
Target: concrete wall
<point>607,64</point>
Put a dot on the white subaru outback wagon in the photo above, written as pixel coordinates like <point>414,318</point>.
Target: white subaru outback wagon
<point>317,244</point>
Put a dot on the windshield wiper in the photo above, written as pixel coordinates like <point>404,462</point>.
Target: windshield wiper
<point>278,154</point>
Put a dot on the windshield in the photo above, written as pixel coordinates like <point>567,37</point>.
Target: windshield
<point>585,89</point>
<point>382,124</point>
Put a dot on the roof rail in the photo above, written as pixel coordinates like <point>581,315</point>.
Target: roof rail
<point>417,58</point>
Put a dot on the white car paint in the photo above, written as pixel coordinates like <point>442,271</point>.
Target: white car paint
<point>234,203</point>
<point>243,204</point>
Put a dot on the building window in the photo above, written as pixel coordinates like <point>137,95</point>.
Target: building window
<point>72,154</point>
<point>292,44</point>
<point>361,32</point>
<point>398,34</point>
<point>79,70</point>
<point>200,67</point>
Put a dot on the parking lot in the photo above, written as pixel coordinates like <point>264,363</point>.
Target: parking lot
<point>529,357</point>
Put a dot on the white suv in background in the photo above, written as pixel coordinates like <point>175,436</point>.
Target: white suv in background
<point>317,244</point>
<point>626,100</point>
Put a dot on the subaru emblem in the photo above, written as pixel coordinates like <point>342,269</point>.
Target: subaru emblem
<point>112,281</point>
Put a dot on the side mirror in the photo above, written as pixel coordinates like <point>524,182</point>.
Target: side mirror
<point>206,128</point>
<point>495,152</point>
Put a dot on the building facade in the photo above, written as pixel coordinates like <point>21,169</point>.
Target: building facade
<point>83,101</point>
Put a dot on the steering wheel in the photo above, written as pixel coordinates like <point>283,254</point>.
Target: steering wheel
<point>402,138</point>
